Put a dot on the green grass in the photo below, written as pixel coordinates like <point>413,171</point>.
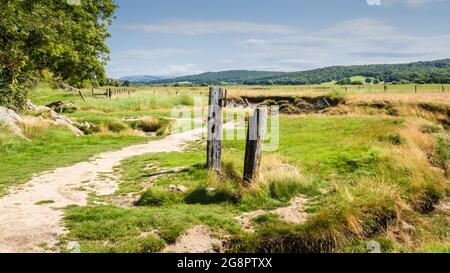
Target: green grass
<point>346,156</point>
<point>359,174</point>
<point>44,94</point>
<point>52,147</point>
<point>141,103</point>
<point>56,148</point>
<point>93,226</point>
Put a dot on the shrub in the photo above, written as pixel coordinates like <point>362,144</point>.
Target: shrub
<point>151,125</point>
<point>12,96</point>
<point>114,125</point>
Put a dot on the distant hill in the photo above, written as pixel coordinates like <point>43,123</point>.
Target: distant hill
<point>143,78</point>
<point>418,72</point>
<point>232,76</point>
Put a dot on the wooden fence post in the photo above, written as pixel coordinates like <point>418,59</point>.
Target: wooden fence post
<point>385,88</point>
<point>81,95</point>
<point>214,146</point>
<point>415,88</point>
<point>225,99</point>
<point>109,93</point>
<point>443,89</point>
<point>255,140</point>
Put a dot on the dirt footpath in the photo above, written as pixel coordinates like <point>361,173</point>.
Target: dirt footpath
<point>31,215</point>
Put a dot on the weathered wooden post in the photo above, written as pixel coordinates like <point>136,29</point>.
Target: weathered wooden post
<point>385,88</point>
<point>255,140</point>
<point>81,95</point>
<point>415,88</point>
<point>109,92</point>
<point>443,89</point>
<point>214,146</point>
<point>225,99</point>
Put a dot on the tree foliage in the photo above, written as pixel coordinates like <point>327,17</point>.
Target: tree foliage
<point>53,35</point>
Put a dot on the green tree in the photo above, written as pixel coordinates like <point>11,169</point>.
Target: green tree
<point>67,40</point>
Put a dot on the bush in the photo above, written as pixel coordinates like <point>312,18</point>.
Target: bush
<point>151,125</point>
<point>114,125</point>
<point>13,96</point>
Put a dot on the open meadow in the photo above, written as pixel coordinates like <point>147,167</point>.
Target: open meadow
<point>351,167</point>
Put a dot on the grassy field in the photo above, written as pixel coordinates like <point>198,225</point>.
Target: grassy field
<point>364,177</point>
<point>53,146</point>
<point>43,95</point>
<point>50,148</point>
<point>371,168</point>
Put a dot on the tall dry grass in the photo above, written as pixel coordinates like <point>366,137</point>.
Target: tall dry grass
<point>33,127</point>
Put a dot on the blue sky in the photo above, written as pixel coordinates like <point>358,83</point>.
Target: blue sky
<point>180,37</point>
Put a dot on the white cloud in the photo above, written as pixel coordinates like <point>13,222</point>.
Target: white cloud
<point>152,54</point>
<point>199,27</point>
<point>374,2</point>
<point>357,41</point>
<point>179,70</point>
<point>410,3</point>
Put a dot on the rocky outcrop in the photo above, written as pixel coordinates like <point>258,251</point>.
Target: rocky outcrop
<point>59,119</point>
<point>10,118</point>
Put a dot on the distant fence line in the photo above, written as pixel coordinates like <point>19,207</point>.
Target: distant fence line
<point>112,92</point>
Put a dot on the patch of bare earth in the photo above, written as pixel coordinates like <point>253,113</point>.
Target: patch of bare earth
<point>198,239</point>
<point>294,213</point>
<point>24,224</point>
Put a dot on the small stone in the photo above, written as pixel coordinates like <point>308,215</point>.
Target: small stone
<point>73,247</point>
<point>177,188</point>
<point>373,247</point>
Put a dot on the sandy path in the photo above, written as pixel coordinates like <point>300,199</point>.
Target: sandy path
<point>24,225</point>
